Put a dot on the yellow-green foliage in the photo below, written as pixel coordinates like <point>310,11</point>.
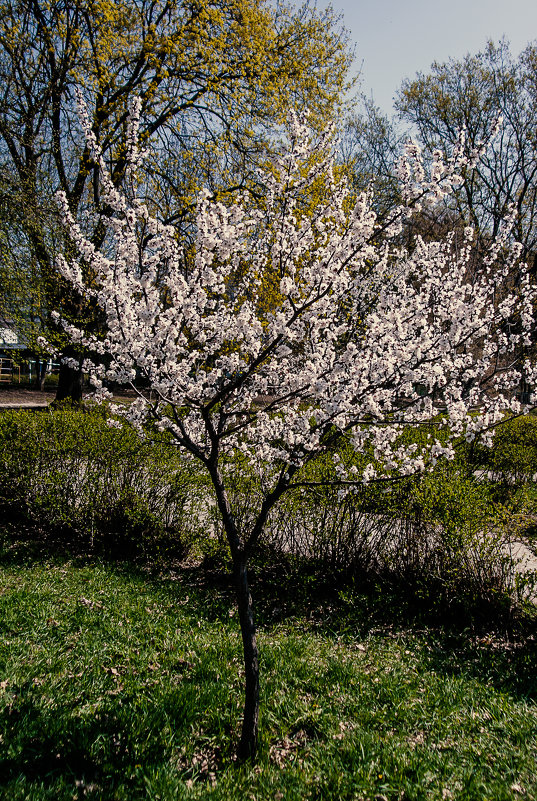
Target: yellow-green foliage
<point>216,79</point>
<point>72,473</point>
<point>513,456</point>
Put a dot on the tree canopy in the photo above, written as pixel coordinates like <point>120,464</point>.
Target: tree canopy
<point>492,97</point>
<point>215,79</point>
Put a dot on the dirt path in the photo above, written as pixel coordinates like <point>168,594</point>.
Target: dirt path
<point>524,557</point>
<point>14,397</point>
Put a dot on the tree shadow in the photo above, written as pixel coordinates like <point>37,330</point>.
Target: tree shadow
<point>114,747</point>
<point>479,638</point>
<point>49,746</point>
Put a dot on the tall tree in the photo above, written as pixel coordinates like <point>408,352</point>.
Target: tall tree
<point>370,148</point>
<point>471,95</point>
<point>215,79</point>
<point>22,295</point>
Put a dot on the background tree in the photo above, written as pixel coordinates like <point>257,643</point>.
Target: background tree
<point>366,338</point>
<point>370,147</point>
<point>470,95</point>
<point>215,79</point>
<point>23,299</point>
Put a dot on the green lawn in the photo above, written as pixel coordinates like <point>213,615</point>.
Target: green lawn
<point>120,684</point>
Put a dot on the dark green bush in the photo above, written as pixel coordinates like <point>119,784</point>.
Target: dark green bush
<point>70,472</point>
<point>509,468</point>
<point>443,536</point>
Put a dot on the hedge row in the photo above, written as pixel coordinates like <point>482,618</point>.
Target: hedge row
<point>73,473</point>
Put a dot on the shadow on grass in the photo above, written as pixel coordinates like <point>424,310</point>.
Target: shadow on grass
<point>476,637</point>
<point>99,752</point>
<point>53,746</point>
<point>484,640</point>
<point>113,748</point>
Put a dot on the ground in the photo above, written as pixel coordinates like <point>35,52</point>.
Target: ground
<point>13,396</point>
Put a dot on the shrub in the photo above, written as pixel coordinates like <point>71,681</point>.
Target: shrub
<point>70,472</point>
<point>442,538</point>
<point>509,468</point>
<point>512,459</point>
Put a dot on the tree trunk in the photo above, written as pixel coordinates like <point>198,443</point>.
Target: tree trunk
<point>40,373</point>
<point>70,382</point>
<point>247,747</point>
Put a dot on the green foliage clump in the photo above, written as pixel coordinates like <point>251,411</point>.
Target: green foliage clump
<point>72,473</point>
<point>512,459</point>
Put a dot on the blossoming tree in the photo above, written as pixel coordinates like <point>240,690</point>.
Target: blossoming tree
<point>366,337</point>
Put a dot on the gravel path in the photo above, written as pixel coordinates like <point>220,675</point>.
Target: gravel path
<point>525,558</point>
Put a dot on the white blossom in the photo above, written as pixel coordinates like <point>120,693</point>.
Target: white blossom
<point>367,338</point>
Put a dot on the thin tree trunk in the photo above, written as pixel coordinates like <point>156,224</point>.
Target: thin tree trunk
<point>247,747</point>
<point>40,373</point>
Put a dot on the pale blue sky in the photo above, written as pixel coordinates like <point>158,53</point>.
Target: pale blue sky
<point>397,38</point>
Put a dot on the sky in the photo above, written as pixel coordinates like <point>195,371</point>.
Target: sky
<point>395,39</point>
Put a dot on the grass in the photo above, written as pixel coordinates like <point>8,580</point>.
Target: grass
<point>126,684</point>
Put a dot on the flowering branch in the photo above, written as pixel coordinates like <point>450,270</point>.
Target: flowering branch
<point>365,337</point>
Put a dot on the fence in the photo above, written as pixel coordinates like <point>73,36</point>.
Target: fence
<point>25,372</point>
<point>9,372</point>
